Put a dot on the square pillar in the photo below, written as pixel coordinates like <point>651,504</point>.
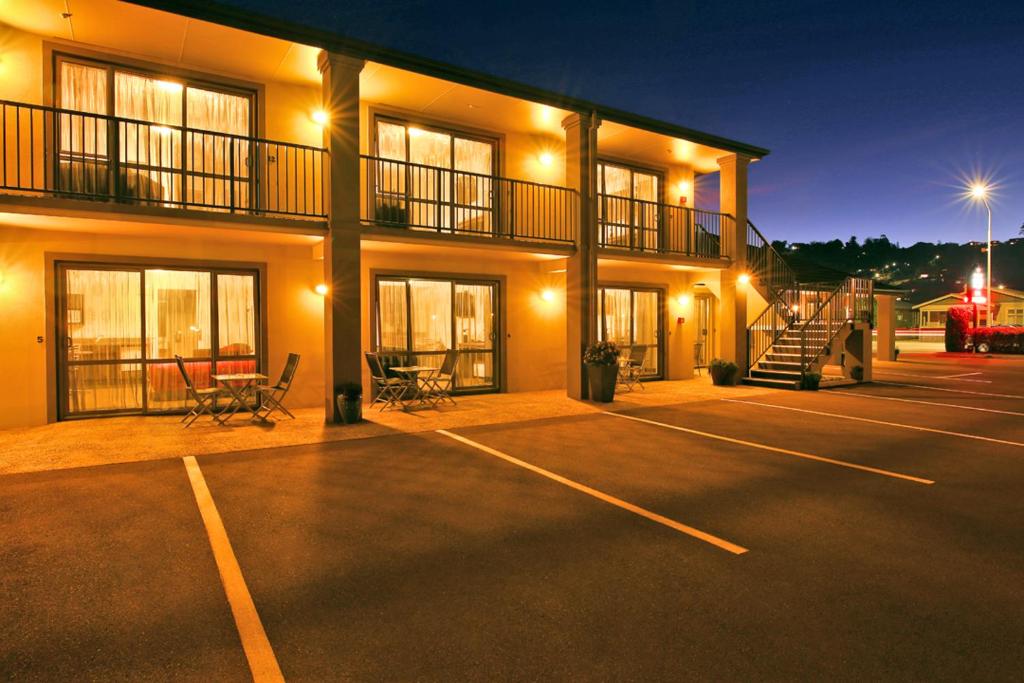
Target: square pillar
<point>342,303</point>
<point>581,267</point>
<point>733,307</point>
<point>885,326</point>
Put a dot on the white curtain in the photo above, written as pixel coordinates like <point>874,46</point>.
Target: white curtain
<point>645,326</point>
<point>616,316</point>
<point>177,314</point>
<point>236,314</point>
<point>392,315</point>
<point>210,113</point>
<point>431,315</point>
<point>83,139</point>
<point>155,149</point>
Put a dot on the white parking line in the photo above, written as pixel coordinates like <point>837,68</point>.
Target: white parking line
<point>618,502</point>
<point>962,374</point>
<point>262,662</point>
<point>881,422</point>
<point>875,397</point>
<point>952,391</point>
<point>955,378</point>
<point>774,449</point>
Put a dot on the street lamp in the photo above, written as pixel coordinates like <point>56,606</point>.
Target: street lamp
<point>979,192</point>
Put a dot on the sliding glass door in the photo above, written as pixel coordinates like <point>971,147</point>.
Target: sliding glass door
<point>631,317</point>
<point>628,211</point>
<point>120,328</point>
<point>418,319</point>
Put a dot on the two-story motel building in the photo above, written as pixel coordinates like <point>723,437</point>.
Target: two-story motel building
<point>200,182</point>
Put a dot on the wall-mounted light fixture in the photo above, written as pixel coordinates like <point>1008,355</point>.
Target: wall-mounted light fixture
<point>547,295</point>
<point>321,289</point>
<point>319,117</point>
<point>546,158</point>
<point>743,279</point>
<point>682,300</point>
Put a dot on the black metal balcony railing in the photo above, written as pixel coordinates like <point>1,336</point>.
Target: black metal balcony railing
<point>640,225</point>
<point>59,152</point>
<point>419,197</point>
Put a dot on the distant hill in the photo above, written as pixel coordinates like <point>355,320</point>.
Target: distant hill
<point>926,269</point>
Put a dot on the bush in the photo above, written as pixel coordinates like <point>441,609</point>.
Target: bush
<point>811,380</point>
<point>958,324</point>
<point>602,353</point>
<point>723,372</point>
<point>999,339</point>
<point>857,372</point>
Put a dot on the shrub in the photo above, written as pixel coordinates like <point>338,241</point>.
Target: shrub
<point>723,372</point>
<point>810,381</point>
<point>958,324</point>
<point>857,372</point>
<point>602,353</point>
<point>999,339</point>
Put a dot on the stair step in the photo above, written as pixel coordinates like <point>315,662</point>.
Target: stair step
<point>770,383</point>
<point>789,375</point>
<point>791,366</point>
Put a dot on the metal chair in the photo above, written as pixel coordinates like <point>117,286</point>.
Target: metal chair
<point>203,400</point>
<point>271,397</point>
<point>438,385</point>
<point>389,390</point>
<point>698,356</point>
<point>631,369</point>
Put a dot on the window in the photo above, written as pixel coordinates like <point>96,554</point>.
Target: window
<point>1015,315</point>
<point>631,317</point>
<point>628,208</point>
<point>179,141</point>
<point>122,326</point>
<point>418,319</point>
<point>433,178</point>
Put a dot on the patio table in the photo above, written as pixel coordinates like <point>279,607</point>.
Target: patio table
<point>240,386</point>
<point>412,374</point>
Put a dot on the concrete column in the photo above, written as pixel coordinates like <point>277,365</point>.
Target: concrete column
<point>581,268</point>
<point>342,304</point>
<point>885,326</point>
<point>733,305</point>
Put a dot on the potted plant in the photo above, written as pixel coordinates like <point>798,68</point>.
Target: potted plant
<point>857,373</point>
<point>350,402</point>
<point>602,360</point>
<point>810,381</point>
<point>723,372</point>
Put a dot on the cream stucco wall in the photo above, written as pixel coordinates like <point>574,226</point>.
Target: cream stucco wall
<point>294,311</point>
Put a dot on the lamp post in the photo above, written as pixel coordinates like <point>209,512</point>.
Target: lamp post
<point>980,192</point>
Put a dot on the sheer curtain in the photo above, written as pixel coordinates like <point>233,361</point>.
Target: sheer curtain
<point>474,190</point>
<point>154,150</point>
<point>617,316</point>
<point>83,139</point>
<point>391,316</point>
<point>645,326</point>
<point>102,311</point>
<point>236,314</point>
<point>431,315</point>
<point>474,323</point>
<point>432,149</point>
<point>210,113</point>
<point>177,314</point>
<point>615,184</point>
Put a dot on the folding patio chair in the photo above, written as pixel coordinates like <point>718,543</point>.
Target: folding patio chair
<point>271,397</point>
<point>439,385</point>
<point>631,369</point>
<point>389,390</point>
<point>203,400</point>
<point>698,356</point>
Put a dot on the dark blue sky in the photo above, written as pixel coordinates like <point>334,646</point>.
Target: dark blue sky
<point>873,112</point>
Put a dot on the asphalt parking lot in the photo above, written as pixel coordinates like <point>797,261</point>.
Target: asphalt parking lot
<point>867,532</point>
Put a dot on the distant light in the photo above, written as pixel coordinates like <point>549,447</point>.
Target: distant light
<point>795,308</point>
<point>547,295</point>
<point>977,279</point>
<point>743,278</point>
<point>546,158</point>
<point>979,190</point>
<point>321,289</point>
<point>319,117</point>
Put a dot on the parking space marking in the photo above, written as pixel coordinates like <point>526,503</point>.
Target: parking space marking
<point>262,662</point>
<point>858,394</point>
<point>881,422</point>
<point>952,391</point>
<point>612,500</point>
<point>775,449</point>
<point>955,378</point>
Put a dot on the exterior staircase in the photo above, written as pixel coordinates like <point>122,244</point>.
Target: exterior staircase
<point>796,332</point>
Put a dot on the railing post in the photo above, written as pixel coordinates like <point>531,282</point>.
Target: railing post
<point>231,174</point>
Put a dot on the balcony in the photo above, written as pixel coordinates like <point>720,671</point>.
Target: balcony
<point>642,226</point>
<point>415,197</point>
<point>45,151</point>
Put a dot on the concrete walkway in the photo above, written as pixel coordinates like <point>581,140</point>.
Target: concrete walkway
<point>102,441</point>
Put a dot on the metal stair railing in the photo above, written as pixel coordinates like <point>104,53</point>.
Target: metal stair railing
<point>851,301</point>
<point>777,282</point>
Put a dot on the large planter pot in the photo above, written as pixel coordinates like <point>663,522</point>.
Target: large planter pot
<point>723,376</point>
<point>351,409</point>
<point>602,382</point>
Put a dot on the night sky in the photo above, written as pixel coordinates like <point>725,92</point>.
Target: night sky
<point>875,113</point>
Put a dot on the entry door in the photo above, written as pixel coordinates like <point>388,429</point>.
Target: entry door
<point>418,319</point>
<point>704,346</point>
<point>120,327</point>
<point>632,317</point>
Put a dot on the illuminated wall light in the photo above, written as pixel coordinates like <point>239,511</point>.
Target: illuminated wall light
<point>319,117</point>
<point>321,289</point>
<point>795,308</point>
<point>683,300</point>
<point>546,158</point>
<point>547,295</point>
<point>743,279</point>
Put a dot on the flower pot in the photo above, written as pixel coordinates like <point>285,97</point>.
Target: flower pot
<point>602,382</point>
<point>351,409</point>
<point>723,376</point>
